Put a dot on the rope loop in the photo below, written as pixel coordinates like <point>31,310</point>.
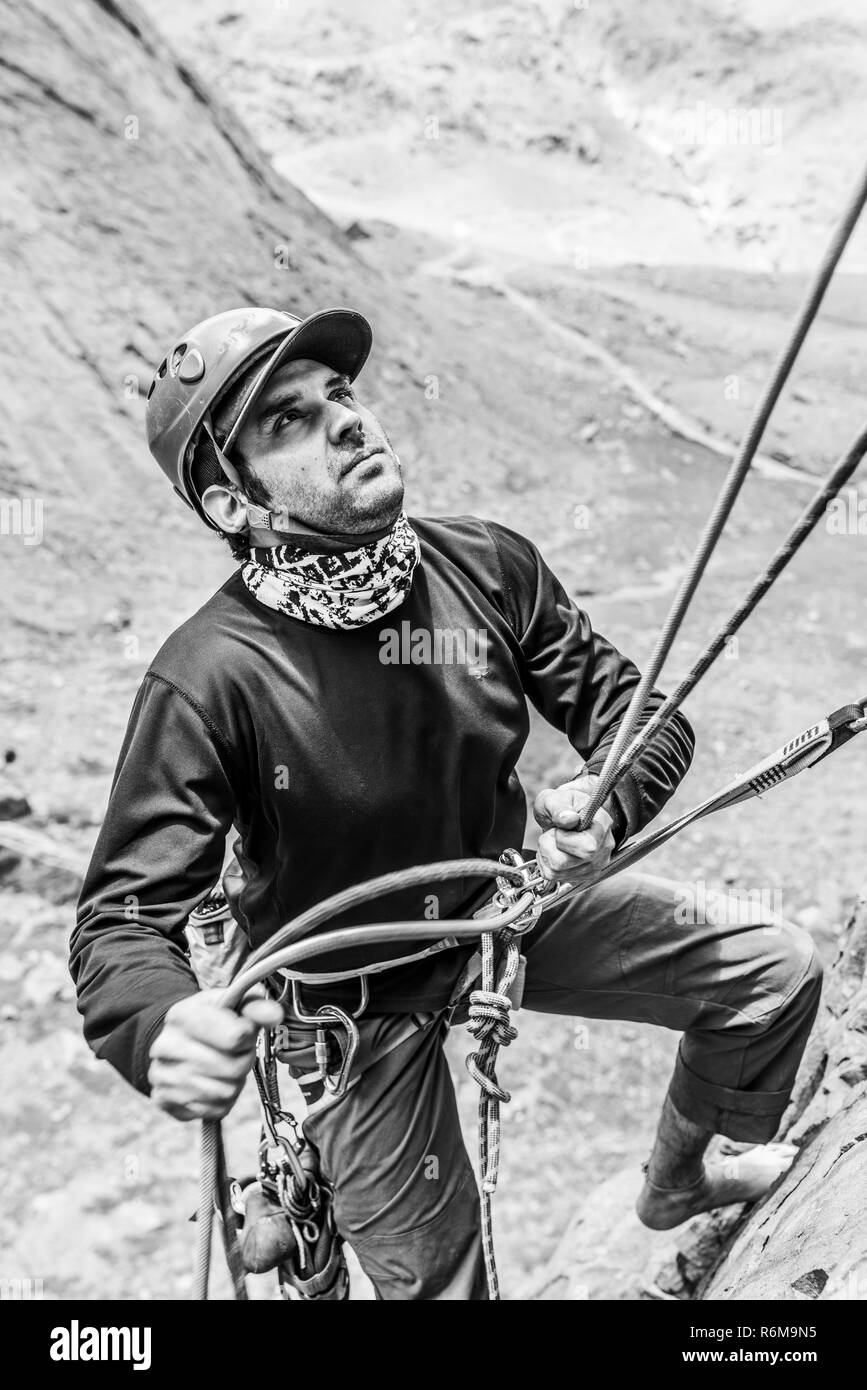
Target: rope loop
<point>486,1083</point>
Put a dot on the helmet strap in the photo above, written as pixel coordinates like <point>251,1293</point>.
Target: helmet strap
<point>228,468</point>
<point>257,517</point>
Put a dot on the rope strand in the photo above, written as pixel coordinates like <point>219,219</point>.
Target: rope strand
<point>489,1024</point>
<point>728,495</point>
<point>805,524</point>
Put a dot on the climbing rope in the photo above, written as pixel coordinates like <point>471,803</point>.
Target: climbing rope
<point>489,1012</point>
<point>803,751</point>
<point>809,518</point>
<point>349,898</point>
<point>214,1195</point>
<point>615,764</point>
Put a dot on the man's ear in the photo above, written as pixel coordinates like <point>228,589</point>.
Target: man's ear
<point>225,508</point>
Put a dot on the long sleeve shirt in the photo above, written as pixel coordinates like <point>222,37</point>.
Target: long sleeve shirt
<point>337,756</point>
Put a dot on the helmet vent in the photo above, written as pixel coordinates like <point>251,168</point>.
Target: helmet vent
<point>178,357</point>
<point>162,368</point>
<point>192,367</point>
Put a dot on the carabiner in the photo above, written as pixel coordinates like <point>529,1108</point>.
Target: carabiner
<point>305,1017</point>
<point>335,1083</point>
<point>337,1086</point>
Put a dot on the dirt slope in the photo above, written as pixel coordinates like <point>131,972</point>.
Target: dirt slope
<point>544,129</point>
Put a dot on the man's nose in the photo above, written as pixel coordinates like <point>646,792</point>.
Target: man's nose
<point>344,423</point>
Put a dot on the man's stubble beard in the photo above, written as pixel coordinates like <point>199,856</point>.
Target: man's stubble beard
<point>340,512</point>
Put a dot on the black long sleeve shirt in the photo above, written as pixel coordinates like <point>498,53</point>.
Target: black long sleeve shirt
<point>335,763</point>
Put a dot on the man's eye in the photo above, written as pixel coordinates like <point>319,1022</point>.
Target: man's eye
<point>345,391</point>
<point>287,417</point>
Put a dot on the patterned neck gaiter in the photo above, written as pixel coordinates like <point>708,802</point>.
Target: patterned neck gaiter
<point>340,590</point>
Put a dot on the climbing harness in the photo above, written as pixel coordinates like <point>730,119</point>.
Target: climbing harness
<point>287,1212</point>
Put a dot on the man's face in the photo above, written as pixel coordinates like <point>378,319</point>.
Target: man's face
<point>320,453</point>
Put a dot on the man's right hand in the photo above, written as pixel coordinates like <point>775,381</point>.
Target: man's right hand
<point>202,1055</point>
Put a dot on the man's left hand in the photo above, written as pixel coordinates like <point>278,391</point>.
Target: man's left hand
<point>566,854</point>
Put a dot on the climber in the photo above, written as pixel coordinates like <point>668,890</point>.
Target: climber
<point>271,714</point>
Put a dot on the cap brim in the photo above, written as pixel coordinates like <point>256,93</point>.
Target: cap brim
<point>339,338</point>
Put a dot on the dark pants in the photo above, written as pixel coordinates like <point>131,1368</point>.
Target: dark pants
<point>743,989</point>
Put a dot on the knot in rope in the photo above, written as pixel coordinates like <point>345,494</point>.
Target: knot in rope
<point>489,1024</point>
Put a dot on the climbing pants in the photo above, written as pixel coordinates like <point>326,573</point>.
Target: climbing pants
<point>741,985</point>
